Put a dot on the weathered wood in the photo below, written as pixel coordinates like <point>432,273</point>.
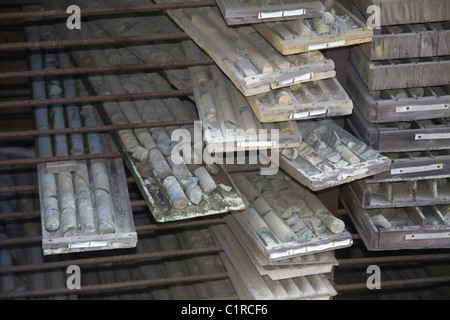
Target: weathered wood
<point>227,49</point>
<point>407,11</point>
<point>416,166</point>
<point>229,124</point>
<point>243,12</point>
<point>401,136</point>
<point>380,107</point>
<point>321,165</point>
<point>411,228</point>
<point>404,193</point>
<point>412,41</point>
<point>121,234</point>
<point>279,235</point>
<point>400,74</point>
<point>307,101</point>
<point>314,34</point>
<point>252,284</point>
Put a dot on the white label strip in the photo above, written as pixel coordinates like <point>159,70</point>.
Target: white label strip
<point>246,144</point>
<point>431,107</point>
<point>295,12</point>
<point>432,167</point>
<point>318,112</point>
<point>299,115</point>
<point>326,45</point>
<point>427,236</point>
<point>432,136</point>
<point>88,244</point>
<point>270,15</point>
<point>306,76</point>
<point>279,14</point>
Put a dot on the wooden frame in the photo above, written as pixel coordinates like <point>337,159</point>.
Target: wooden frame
<point>410,166</point>
<point>250,62</point>
<point>317,99</point>
<point>242,12</point>
<point>287,41</point>
<point>222,108</point>
<point>395,12</point>
<point>385,106</point>
<point>124,235</point>
<point>409,41</point>
<point>319,263</point>
<point>406,228</point>
<point>418,135</point>
<point>372,195</point>
<point>249,284</point>
<point>325,174</point>
<point>401,74</point>
<point>271,231</point>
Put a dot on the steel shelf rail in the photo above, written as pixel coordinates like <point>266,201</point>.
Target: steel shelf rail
<point>107,11</point>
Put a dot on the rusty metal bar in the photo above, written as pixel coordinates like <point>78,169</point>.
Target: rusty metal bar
<point>93,99</point>
<point>393,283</point>
<point>144,228</point>
<point>18,46</point>
<point>19,189</point>
<point>33,161</point>
<point>392,259</point>
<point>119,68</point>
<point>115,286</point>
<point>112,259</point>
<point>103,128</point>
<point>107,11</point>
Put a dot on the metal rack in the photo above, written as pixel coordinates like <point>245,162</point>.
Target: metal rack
<point>122,275</point>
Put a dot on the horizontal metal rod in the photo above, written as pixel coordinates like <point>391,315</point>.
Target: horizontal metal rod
<point>393,284</point>
<point>33,161</point>
<point>19,46</point>
<point>107,11</point>
<point>19,189</point>
<point>37,213</point>
<point>394,259</point>
<point>116,286</point>
<point>90,70</point>
<point>103,128</point>
<point>93,99</point>
<point>143,228</point>
<point>112,259</point>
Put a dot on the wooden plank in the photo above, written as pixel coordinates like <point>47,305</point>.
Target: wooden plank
<point>380,107</point>
<point>409,11</point>
<point>323,98</point>
<point>279,271</point>
<point>426,231</point>
<point>334,159</point>
<point>293,215</point>
<point>229,125</point>
<point>400,74</point>
<point>409,41</point>
<point>417,166</point>
<point>363,224</point>
<point>346,30</point>
<point>250,62</point>
<point>122,235</point>
<point>402,136</point>
<point>404,194</point>
<point>263,288</point>
<point>244,12</point>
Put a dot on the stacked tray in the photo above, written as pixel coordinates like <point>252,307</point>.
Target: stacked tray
<point>85,205</point>
<point>401,85</point>
<point>282,246</point>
